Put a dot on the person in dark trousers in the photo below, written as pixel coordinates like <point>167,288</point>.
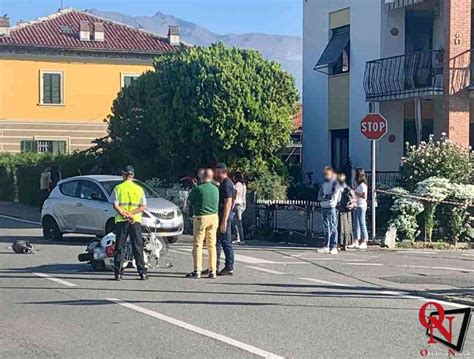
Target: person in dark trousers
<point>129,202</point>
<point>226,217</point>
<point>56,176</point>
<point>345,207</point>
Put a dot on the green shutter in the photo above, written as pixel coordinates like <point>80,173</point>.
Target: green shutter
<point>56,88</point>
<point>29,146</point>
<point>127,80</point>
<point>46,88</point>
<point>58,147</point>
<point>52,89</point>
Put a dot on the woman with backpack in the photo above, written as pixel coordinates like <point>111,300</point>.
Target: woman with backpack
<point>345,207</point>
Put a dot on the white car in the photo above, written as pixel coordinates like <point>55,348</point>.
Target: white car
<point>82,205</point>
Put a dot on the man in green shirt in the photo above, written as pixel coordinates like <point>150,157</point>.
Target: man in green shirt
<point>205,202</point>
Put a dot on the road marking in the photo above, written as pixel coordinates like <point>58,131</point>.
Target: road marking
<point>57,280</point>
<point>266,270</point>
<point>20,220</point>
<point>198,330</point>
<point>443,268</point>
<point>417,297</point>
<point>324,282</point>
<point>319,258</point>
<point>242,258</point>
<point>363,264</point>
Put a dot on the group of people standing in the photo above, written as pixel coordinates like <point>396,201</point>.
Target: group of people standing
<point>344,211</point>
<point>217,205</point>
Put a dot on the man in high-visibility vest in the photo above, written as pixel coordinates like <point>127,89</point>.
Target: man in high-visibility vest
<point>129,202</point>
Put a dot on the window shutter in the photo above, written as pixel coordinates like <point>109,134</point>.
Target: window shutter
<point>127,81</point>
<point>47,88</point>
<point>29,146</point>
<point>55,88</point>
<point>59,147</point>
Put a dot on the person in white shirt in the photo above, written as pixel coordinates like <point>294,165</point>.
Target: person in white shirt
<point>360,190</point>
<point>328,196</point>
<point>240,205</point>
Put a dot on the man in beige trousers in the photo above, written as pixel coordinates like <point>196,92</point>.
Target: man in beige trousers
<point>204,202</point>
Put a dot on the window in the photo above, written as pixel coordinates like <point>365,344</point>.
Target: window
<point>336,55</point>
<point>43,146</point>
<point>340,150</point>
<point>409,131</point>
<point>51,88</point>
<point>88,189</point>
<point>342,64</point>
<point>69,188</point>
<point>128,79</point>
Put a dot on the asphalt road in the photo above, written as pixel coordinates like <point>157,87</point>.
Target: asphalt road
<point>282,302</point>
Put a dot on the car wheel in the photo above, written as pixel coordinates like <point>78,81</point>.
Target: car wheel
<point>172,240</point>
<point>110,226</point>
<point>51,230</point>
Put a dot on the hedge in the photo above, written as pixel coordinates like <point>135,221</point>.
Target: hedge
<point>20,173</point>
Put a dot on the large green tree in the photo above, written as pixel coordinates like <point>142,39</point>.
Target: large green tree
<point>202,105</point>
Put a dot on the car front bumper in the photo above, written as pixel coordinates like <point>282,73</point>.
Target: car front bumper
<point>165,228</point>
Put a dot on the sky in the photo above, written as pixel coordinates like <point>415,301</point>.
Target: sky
<point>220,16</point>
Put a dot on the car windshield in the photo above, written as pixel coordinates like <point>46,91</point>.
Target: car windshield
<point>110,185</point>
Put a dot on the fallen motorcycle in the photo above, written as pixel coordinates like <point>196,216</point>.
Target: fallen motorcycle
<point>100,252</point>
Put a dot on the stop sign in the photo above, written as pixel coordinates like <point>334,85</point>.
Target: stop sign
<point>374,126</point>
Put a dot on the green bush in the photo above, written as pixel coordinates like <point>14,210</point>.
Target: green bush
<point>7,184</point>
<point>27,167</point>
<point>269,186</point>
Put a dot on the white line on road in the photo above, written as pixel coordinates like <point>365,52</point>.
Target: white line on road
<point>20,220</point>
<point>198,330</point>
<point>423,299</point>
<point>57,280</point>
<point>363,264</point>
<point>325,282</point>
<point>443,268</point>
<point>265,270</point>
<point>241,258</point>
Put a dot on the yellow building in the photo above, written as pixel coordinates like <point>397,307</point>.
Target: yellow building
<point>60,74</point>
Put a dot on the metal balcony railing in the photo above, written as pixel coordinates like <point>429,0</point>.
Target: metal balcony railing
<point>405,76</point>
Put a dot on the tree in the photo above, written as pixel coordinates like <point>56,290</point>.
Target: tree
<point>203,105</point>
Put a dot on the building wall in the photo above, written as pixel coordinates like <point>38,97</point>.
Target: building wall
<point>89,90</point>
<point>365,46</point>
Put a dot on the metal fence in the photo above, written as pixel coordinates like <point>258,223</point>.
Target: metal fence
<point>415,74</point>
<point>301,218</point>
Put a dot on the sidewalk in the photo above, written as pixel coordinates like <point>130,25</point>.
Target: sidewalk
<point>19,210</point>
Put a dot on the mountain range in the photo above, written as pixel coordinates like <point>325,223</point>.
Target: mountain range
<point>285,49</point>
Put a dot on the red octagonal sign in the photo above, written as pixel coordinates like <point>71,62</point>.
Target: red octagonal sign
<point>374,126</point>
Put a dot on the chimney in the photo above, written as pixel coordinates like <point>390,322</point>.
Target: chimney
<point>4,26</point>
<point>85,31</point>
<point>99,31</point>
<point>173,35</point>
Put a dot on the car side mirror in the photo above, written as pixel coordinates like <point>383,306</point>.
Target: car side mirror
<point>97,196</point>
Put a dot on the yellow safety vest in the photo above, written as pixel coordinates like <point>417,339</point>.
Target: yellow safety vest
<point>128,194</point>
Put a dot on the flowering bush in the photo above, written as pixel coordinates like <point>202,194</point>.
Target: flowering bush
<point>437,159</point>
<point>404,211</point>
<point>435,190</point>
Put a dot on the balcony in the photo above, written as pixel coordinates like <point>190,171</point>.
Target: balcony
<point>419,74</point>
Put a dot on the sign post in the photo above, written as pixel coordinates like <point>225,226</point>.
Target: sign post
<point>373,126</point>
